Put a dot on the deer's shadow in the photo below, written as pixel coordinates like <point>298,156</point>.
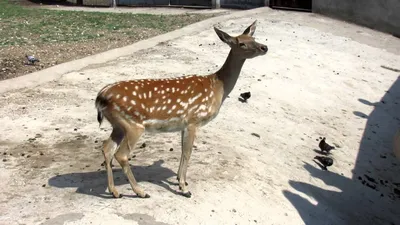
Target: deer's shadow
<point>95,183</point>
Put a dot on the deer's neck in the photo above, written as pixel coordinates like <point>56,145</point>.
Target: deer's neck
<point>229,73</point>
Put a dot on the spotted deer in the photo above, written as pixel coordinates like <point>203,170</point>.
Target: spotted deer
<point>169,105</point>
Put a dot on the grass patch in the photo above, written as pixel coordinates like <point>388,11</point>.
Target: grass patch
<point>49,34</point>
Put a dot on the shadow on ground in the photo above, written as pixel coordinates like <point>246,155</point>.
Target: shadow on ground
<point>372,196</point>
<point>95,183</point>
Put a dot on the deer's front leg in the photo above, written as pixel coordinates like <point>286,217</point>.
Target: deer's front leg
<point>187,138</point>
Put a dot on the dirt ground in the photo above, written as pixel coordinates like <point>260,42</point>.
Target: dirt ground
<point>12,57</point>
<point>315,81</point>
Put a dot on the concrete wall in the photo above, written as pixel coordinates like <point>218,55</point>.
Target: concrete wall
<point>383,15</point>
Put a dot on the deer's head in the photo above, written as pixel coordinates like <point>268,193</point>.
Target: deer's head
<point>243,45</point>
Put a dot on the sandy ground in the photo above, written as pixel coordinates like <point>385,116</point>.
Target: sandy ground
<point>321,77</point>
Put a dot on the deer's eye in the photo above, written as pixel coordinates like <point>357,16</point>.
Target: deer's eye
<point>242,44</point>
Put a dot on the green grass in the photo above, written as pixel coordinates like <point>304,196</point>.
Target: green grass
<point>21,26</point>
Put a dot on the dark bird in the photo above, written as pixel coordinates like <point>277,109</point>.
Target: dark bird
<point>325,161</point>
<point>31,59</point>
<point>244,96</point>
<point>325,147</point>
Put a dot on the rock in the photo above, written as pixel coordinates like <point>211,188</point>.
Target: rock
<point>171,149</point>
<point>255,135</point>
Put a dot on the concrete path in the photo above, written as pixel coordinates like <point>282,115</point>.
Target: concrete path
<point>137,10</point>
<point>321,77</point>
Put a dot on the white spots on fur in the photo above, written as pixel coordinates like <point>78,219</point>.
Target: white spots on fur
<point>156,101</point>
<point>136,87</point>
<point>144,95</point>
<point>162,92</point>
<point>129,108</point>
<point>167,89</point>
<point>134,93</point>
<point>164,107</point>
<point>191,100</point>
<point>173,90</point>
<point>193,108</point>
<point>202,114</point>
<point>155,88</point>
<point>126,88</point>
<point>201,107</point>
<point>169,112</point>
<point>184,105</point>
<point>143,106</point>
<point>159,108</point>
<point>125,98</point>
<point>179,112</point>
<point>178,100</point>
<point>149,94</point>
<point>109,96</point>
<point>136,113</point>
<point>173,107</point>
<point>133,102</point>
<point>151,109</point>
<point>169,101</point>
<point>164,97</point>
<point>140,96</point>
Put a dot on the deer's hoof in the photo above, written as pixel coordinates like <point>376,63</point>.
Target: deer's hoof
<point>187,194</point>
<point>144,196</point>
<point>116,195</point>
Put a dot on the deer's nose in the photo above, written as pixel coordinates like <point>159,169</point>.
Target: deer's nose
<point>264,48</point>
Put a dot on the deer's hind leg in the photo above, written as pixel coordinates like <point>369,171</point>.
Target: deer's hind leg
<point>187,139</point>
<point>110,146</point>
<point>132,134</point>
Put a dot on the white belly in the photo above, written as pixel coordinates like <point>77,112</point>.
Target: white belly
<point>170,125</point>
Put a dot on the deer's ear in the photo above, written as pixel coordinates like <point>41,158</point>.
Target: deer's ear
<point>225,37</point>
<point>251,29</point>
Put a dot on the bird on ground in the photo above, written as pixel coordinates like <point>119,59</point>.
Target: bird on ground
<point>325,161</point>
<point>325,147</point>
<point>244,96</point>
<point>31,59</point>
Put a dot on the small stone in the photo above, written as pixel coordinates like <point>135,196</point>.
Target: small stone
<point>44,185</point>
<point>22,154</point>
<point>234,210</point>
<point>75,129</point>
<point>41,153</point>
<point>4,160</point>
<point>171,149</point>
<point>57,129</point>
<point>255,134</point>
<point>143,145</point>
<point>28,156</point>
